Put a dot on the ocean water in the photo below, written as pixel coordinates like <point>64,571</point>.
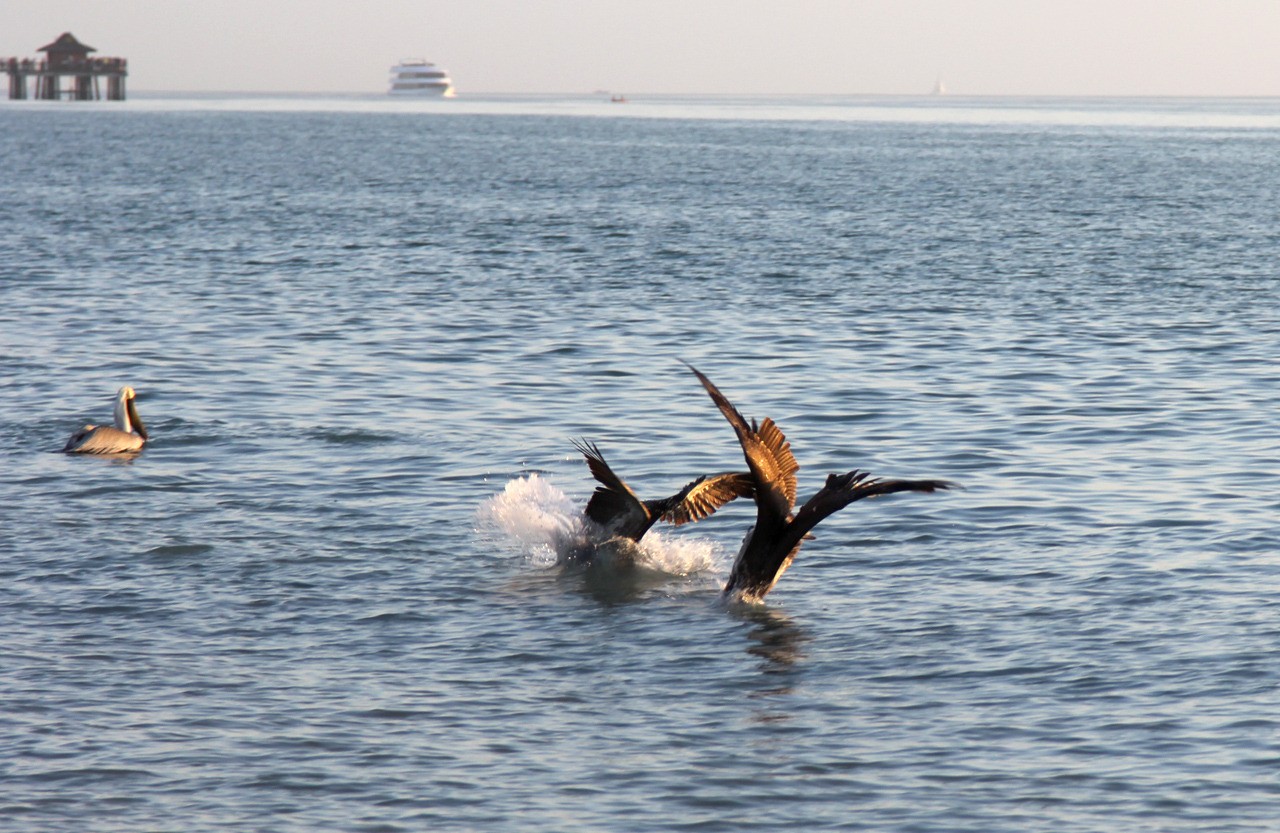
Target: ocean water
<point>326,596</point>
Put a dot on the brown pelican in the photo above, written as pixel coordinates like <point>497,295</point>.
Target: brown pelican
<point>773,542</point>
<point>621,514</point>
<point>128,434</point>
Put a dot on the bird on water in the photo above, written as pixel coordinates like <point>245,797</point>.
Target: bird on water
<point>619,513</point>
<point>128,433</point>
<point>770,546</point>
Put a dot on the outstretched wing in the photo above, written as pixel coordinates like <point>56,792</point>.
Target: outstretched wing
<point>613,505</point>
<point>767,451</point>
<point>842,489</point>
<point>707,494</point>
<point>783,474</point>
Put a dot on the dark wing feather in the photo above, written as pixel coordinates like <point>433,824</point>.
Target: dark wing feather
<point>875,488</point>
<point>708,494</point>
<point>613,505</point>
<point>842,489</point>
<point>767,452</point>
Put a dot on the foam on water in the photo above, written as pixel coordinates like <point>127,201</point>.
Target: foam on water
<point>544,525</point>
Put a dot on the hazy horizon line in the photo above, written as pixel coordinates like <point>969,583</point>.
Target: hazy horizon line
<point>600,92</point>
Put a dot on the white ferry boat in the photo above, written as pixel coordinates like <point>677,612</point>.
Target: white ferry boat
<point>419,78</point>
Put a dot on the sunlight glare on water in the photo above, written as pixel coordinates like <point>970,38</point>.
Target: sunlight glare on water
<point>328,594</point>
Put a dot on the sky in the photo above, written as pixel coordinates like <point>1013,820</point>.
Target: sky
<point>634,47</point>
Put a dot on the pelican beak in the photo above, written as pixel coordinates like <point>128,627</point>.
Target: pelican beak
<point>134,421</point>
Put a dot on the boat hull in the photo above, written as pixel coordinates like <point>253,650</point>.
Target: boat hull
<point>428,92</point>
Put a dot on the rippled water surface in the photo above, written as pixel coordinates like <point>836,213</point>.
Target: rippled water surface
<point>323,597</point>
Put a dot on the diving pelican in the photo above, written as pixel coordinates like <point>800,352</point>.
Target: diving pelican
<point>621,514</point>
<point>770,546</point>
<point>128,434</point>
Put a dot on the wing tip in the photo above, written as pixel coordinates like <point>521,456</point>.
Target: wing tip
<point>587,448</point>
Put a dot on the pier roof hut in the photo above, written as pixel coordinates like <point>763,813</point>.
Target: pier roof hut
<point>66,52</point>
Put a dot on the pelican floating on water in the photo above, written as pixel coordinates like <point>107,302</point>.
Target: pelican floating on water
<point>128,434</point>
<point>772,544</point>
<point>619,513</point>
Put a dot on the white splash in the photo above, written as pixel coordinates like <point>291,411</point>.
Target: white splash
<point>678,555</point>
<point>548,528</point>
<point>536,516</point>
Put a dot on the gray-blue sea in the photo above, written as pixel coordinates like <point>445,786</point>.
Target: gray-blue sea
<point>326,596</point>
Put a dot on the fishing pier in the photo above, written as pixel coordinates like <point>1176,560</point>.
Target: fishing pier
<point>66,71</point>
